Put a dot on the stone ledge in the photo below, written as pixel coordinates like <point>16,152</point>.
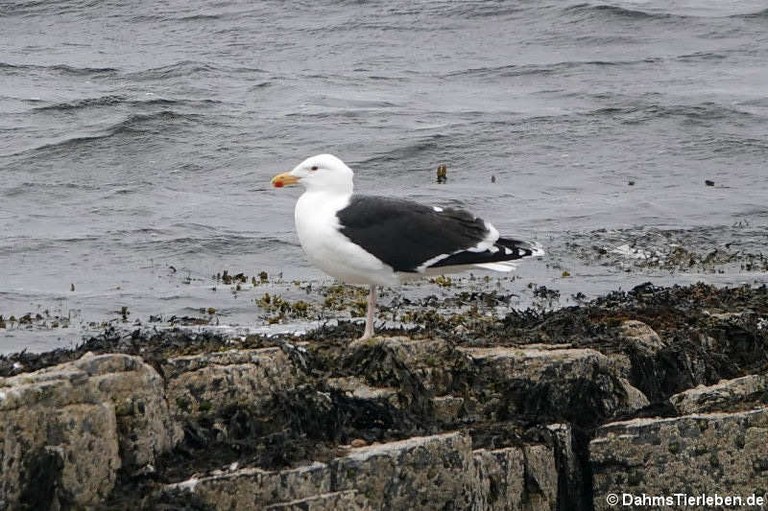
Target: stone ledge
<point>417,473</point>
<point>201,383</point>
<point>88,418</point>
<point>692,454</point>
<point>515,478</point>
<point>336,501</point>
<point>438,472</point>
<point>726,395</point>
<point>553,382</point>
<point>251,488</point>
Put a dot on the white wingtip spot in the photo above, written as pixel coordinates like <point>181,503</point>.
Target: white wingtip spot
<point>438,209</point>
<point>429,262</point>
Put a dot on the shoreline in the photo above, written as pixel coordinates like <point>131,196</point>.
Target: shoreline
<point>579,267</point>
<point>557,393</point>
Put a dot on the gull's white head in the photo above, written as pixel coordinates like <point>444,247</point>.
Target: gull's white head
<point>323,172</point>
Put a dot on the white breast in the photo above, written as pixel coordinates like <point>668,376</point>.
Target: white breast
<point>331,251</point>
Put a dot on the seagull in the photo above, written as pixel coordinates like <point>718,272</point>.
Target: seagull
<point>384,241</point>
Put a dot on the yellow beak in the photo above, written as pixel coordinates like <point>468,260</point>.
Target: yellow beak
<point>284,179</point>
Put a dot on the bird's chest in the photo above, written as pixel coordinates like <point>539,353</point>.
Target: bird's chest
<point>317,224</point>
<point>318,228</point>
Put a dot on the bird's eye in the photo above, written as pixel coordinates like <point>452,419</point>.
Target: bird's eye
<point>314,167</point>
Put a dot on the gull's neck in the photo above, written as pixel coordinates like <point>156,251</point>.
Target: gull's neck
<point>338,191</point>
<point>318,201</point>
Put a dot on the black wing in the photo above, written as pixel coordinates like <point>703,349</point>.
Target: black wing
<point>406,234</point>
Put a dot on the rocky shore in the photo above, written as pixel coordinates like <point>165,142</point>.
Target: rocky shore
<point>656,391</point>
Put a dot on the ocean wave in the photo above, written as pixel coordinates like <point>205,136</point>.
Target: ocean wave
<point>701,56</point>
<point>465,10</point>
<point>19,245</point>
<point>60,146</point>
<point>513,70</point>
<point>759,14</point>
<point>156,123</point>
<point>336,107</point>
<point>634,114</point>
<point>607,11</point>
<point>182,68</point>
<point>35,188</point>
<point>172,15</point>
<point>84,103</point>
<point>46,7</point>
<point>210,245</point>
<point>61,69</point>
<point>733,146</point>
<point>200,17</point>
<point>414,152</point>
<point>150,123</point>
<point>113,100</point>
<point>602,11</point>
<point>166,242</point>
<point>186,68</point>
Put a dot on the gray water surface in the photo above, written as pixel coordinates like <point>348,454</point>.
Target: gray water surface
<point>137,139</point>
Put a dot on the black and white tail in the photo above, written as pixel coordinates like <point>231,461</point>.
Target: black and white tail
<point>501,256</point>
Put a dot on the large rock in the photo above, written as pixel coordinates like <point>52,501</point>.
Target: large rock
<point>211,381</point>
<point>446,409</point>
<point>137,391</point>
<point>60,455</point>
<point>724,453</point>
<point>403,362</point>
<point>336,501</point>
<point>253,488</point>
<point>499,479</point>
<point>357,388</point>
<point>546,382</point>
<point>641,338</point>
<point>67,429</point>
<point>515,478</point>
<point>727,395</point>
<point>420,473</point>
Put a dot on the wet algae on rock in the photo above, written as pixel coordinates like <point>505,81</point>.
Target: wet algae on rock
<point>531,410</point>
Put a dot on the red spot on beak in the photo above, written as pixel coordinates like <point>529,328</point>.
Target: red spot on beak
<point>283,179</point>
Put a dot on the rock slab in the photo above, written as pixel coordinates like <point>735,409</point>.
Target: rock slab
<point>438,472</point>
<point>551,382</point>
<point>201,383</point>
<point>694,454</point>
<point>418,473</point>
<point>515,478</point>
<point>253,488</point>
<point>336,501</point>
<point>67,429</point>
<point>727,395</point>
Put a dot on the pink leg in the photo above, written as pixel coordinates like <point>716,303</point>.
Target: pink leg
<point>368,333</point>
